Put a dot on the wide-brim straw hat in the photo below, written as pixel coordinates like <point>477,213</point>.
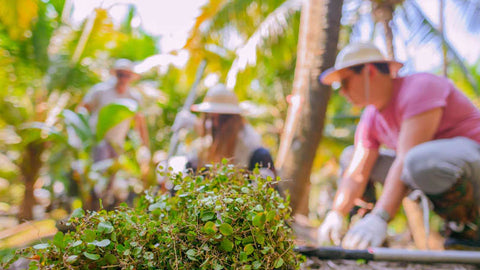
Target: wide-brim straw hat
<point>357,54</point>
<point>219,100</point>
<point>125,65</point>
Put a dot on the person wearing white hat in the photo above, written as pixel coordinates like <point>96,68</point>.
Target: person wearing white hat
<point>434,133</point>
<point>225,134</point>
<point>116,89</point>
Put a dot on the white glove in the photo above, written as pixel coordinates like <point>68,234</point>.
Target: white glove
<point>331,228</point>
<point>184,119</point>
<point>370,231</point>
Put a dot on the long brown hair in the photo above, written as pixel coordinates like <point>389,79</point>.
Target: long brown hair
<point>224,135</point>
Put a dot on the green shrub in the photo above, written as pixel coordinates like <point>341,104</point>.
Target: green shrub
<point>224,219</point>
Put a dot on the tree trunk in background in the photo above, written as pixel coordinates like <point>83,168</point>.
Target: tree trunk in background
<point>317,48</point>
<point>383,13</point>
<point>30,169</point>
<point>442,33</point>
<point>389,39</point>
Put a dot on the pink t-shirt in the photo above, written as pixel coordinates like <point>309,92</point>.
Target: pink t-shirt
<point>413,95</point>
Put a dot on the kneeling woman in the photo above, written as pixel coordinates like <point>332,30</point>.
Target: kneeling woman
<point>226,134</point>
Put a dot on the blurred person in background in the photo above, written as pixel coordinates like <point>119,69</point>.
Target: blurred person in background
<point>117,90</point>
<point>224,133</point>
<point>432,131</point>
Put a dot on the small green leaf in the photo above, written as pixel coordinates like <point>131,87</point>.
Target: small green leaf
<point>256,264</point>
<point>271,215</point>
<point>249,249</point>
<point>89,235</point>
<point>110,258</point>
<point>91,256</point>
<point>157,205</point>
<point>77,243</point>
<point>41,246</point>
<point>105,227</point>
<point>208,215</point>
<point>243,256</point>
<point>226,245</point>
<point>103,243</point>
<point>148,255</point>
<point>77,213</point>
<point>58,240</point>
<point>259,220</point>
<point>210,228</point>
<point>226,229</point>
<point>260,238</point>
<point>191,252</point>
<point>258,208</point>
<point>72,259</point>
<point>279,263</point>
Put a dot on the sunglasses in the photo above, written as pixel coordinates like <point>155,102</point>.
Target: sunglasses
<point>342,84</point>
<point>123,74</point>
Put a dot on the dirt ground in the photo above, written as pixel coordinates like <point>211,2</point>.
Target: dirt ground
<point>315,264</point>
<point>306,235</point>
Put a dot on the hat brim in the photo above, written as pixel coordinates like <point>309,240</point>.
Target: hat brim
<point>332,74</point>
<point>135,74</point>
<point>211,107</point>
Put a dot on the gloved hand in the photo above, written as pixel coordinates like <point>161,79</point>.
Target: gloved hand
<point>370,231</point>
<point>331,228</point>
<point>184,119</point>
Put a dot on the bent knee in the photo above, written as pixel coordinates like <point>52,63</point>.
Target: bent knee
<point>425,169</point>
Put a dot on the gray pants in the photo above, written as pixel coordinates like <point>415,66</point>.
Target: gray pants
<point>432,167</point>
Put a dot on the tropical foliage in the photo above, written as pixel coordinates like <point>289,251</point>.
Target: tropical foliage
<point>224,219</point>
<point>46,69</point>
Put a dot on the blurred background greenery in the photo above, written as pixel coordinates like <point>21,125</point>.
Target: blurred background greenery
<point>48,63</point>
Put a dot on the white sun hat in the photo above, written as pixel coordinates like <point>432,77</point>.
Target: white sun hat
<point>124,64</point>
<point>356,54</point>
<point>219,100</point>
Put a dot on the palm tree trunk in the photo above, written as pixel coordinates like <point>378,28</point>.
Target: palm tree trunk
<point>30,169</point>
<point>317,47</point>
<point>389,39</point>
<point>442,33</point>
<point>383,13</point>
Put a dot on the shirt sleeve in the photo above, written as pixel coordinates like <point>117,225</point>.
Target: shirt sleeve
<point>364,134</point>
<point>423,93</point>
<point>135,95</point>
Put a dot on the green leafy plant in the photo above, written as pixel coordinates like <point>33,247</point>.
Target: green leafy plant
<point>224,218</point>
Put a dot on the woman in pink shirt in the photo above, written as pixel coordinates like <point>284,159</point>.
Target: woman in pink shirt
<point>434,132</point>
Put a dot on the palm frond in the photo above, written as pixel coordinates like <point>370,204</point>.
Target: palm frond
<point>424,31</point>
<point>353,12</point>
<point>209,11</point>
<point>272,27</point>
<point>470,13</point>
<point>233,14</point>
